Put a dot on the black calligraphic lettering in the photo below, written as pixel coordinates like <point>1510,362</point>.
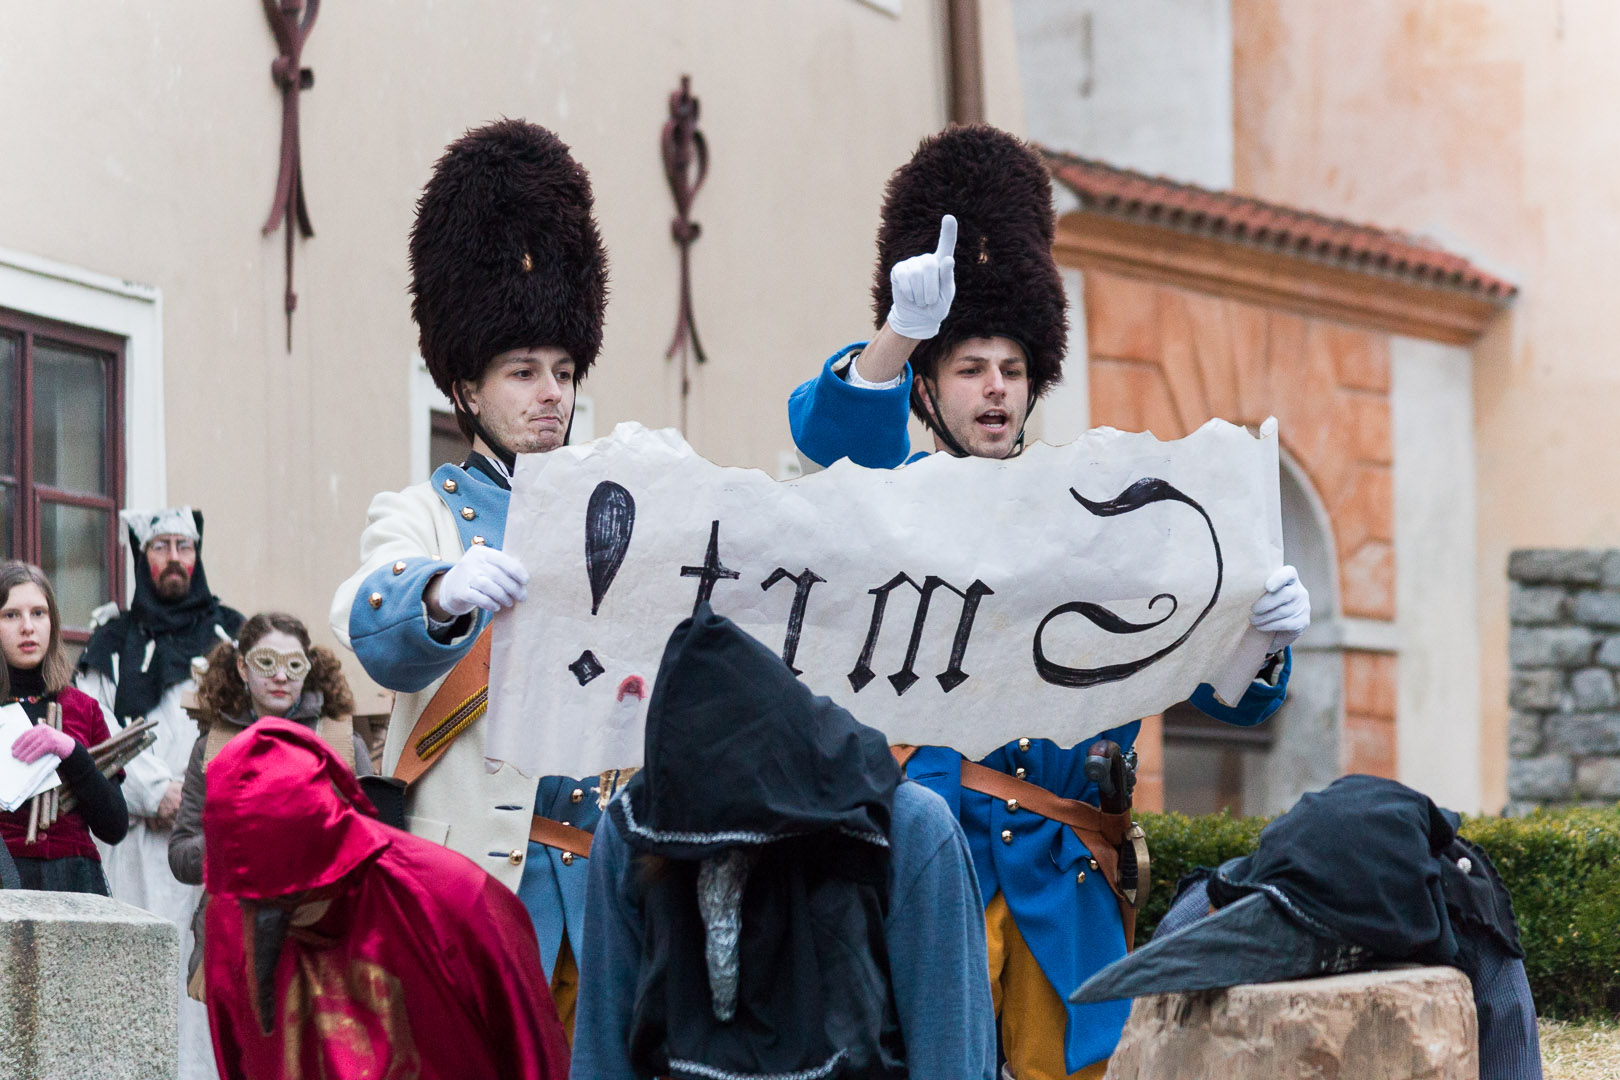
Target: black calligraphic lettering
<point>587,667</point>
<point>711,570</point>
<point>610,518</point>
<point>902,680</point>
<point>801,597</point>
<point>1144,492</point>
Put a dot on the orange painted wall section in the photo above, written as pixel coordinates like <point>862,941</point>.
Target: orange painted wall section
<point>1369,713</point>
<point>1487,125</point>
<point>1164,359</point>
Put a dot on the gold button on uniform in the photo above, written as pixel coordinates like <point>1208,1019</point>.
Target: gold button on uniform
<point>468,513</point>
<point>1012,806</point>
<point>450,486</point>
<point>1080,878</point>
<point>478,540</point>
<point>1023,744</point>
<point>1093,863</point>
<point>576,795</point>
<point>516,858</point>
<point>1006,836</point>
<point>568,858</point>
<point>399,567</point>
<point>375,599</point>
<point>1020,772</point>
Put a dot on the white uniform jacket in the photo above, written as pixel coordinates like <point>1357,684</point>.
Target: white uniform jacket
<point>410,536</point>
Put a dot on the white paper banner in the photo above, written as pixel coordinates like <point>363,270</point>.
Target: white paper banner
<point>954,602</point>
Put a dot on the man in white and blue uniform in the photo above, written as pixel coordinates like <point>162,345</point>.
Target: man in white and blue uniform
<point>969,347</point>
<point>509,284</point>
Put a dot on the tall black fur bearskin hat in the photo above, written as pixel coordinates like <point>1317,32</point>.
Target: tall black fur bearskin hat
<point>505,253</point>
<point>1006,282</point>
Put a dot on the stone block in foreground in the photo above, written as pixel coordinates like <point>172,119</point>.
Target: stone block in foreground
<point>87,989</point>
<point>1409,1024</point>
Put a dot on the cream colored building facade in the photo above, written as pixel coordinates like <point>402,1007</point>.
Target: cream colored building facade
<point>141,145</point>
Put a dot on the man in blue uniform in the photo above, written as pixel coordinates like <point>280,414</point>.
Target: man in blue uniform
<point>509,285</point>
<point>970,337</point>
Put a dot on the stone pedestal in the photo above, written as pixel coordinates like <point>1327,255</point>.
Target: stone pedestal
<point>86,989</point>
<point>1407,1024</point>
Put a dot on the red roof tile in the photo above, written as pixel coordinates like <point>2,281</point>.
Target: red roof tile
<point>1152,200</point>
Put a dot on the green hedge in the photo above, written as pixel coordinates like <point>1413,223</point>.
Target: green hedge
<point>1563,868</point>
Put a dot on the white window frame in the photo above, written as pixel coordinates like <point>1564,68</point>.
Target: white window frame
<point>69,294</point>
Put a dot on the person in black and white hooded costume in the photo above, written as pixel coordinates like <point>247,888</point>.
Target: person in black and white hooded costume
<point>138,665</point>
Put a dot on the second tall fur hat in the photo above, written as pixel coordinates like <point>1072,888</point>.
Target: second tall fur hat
<point>505,253</point>
<point>1006,282</point>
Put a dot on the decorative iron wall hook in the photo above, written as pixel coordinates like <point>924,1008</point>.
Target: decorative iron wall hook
<point>290,21</point>
<point>686,164</point>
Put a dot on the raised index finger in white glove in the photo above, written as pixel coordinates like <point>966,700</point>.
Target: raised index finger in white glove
<point>924,286</point>
<point>482,578</point>
<point>1285,610</point>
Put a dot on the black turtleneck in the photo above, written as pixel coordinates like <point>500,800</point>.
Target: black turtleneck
<point>25,682</point>
<point>100,801</point>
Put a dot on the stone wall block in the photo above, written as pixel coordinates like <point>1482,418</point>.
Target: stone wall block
<point>1537,688</point>
<point>1551,646</point>
<point>1611,569</point>
<point>1412,1024</point>
<point>1563,566</point>
<point>1551,776</point>
<point>86,989</point>
<point>1598,607</point>
<point>1583,733</point>
<point>1537,604</point>
<point>1598,778</point>
<point>1524,733</point>
<point>1608,653</point>
<point>1593,689</point>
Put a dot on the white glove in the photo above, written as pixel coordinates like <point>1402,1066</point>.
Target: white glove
<point>482,578</point>
<point>924,286</point>
<point>1285,611</point>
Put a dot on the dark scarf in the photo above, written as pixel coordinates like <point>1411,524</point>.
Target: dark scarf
<point>763,815</point>
<point>182,630</point>
<point>1379,865</point>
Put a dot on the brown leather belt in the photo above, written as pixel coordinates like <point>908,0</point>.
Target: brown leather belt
<point>564,838</point>
<point>1103,834</point>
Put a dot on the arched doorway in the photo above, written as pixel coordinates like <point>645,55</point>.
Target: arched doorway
<point>1209,766</point>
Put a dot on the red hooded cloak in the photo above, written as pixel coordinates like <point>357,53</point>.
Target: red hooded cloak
<point>395,958</point>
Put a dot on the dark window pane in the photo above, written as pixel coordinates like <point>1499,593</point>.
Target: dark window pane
<point>70,417</point>
<point>10,403</point>
<point>8,523</point>
<point>446,444</point>
<point>73,554</point>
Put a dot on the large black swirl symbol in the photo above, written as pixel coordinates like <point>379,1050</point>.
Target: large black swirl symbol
<point>1144,492</point>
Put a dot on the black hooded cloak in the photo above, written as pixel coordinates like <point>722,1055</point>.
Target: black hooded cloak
<point>762,816</point>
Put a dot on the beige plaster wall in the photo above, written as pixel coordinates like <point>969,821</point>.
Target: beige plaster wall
<point>140,140</point>
<point>1487,125</point>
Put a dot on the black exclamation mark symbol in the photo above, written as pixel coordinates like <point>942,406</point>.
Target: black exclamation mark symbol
<point>610,518</point>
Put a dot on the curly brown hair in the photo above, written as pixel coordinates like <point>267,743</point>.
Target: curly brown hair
<point>221,691</point>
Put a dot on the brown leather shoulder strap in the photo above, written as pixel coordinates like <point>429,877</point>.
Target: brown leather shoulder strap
<point>543,830</point>
<point>1032,797</point>
<point>903,753</point>
<point>1103,834</point>
<point>459,701</point>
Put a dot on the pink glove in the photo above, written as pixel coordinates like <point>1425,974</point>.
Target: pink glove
<point>41,740</point>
